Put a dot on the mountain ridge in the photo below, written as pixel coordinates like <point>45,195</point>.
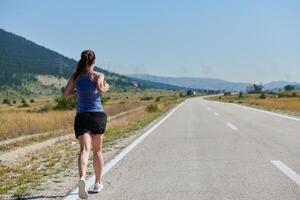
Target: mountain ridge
<point>208,83</point>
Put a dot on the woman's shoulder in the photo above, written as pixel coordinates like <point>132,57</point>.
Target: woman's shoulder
<point>97,76</point>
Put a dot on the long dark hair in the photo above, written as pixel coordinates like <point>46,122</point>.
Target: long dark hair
<point>87,59</point>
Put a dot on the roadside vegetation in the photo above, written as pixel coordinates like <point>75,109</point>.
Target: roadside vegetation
<point>19,179</point>
<point>285,100</point>
<point>129,113</point>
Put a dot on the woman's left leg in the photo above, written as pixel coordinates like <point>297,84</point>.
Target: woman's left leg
<point>97,156</point>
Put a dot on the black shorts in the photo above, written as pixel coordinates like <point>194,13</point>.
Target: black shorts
<point>93,122</point>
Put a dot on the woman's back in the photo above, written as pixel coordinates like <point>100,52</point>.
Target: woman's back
<point>88,97</point>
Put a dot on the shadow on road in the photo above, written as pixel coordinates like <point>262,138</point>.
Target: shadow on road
<point>37,197</point>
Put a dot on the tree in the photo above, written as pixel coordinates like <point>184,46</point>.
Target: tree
<point>241,95</point>
<point>24,103</point>
<point>190,93</point>
<point>258,88</point>
<point>289,87</point>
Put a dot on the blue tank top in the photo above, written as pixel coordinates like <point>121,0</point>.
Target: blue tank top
<point>88,97</point>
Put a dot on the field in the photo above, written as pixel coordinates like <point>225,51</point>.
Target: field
<point>287,104</point>
<point>22,127</point>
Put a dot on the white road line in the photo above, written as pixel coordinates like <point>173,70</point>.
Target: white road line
<point>73,195</point>
<point>285,169</point>
<point>268,112</point>
<point>208,108</point>
<point>217,114</point>
<point>231,126</point>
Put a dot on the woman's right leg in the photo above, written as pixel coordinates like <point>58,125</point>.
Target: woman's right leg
<point>97,156</point>
<point>85,147</point>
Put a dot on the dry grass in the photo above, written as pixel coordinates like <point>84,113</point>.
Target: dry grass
<point>119,107</point>
<point>125,119</point>
<point>14,124</point>
<point>18,123</point>
<point>38,103</point>
<point>289,105</point>
<point>29,172</point>
<point>285,105</point>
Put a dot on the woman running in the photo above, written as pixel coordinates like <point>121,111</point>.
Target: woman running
<point>90,120</point>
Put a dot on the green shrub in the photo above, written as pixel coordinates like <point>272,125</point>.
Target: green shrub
<point>104,100</point>
<point>31,100</point>
<point>153,108</point>
<point>146,98</point>
<point>262,96</point>
<point>63,103</point>
<point>181,94</point>
<point>6,101</point>
<point>23,105</point>
<point>157,99</point>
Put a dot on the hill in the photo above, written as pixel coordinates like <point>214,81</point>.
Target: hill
<point>208,83</point>
<point>19,56</point>
<point>279,84</point>
<point>198,83</point>
<point>27,68</point>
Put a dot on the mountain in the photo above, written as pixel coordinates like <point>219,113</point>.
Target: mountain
<point>279,84</point>
<point>19,56</point>
<point>198,83</point>
<point>27,68</point>
<point>209,83</point>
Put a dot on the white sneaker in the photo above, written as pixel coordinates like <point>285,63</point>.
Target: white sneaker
<point>98,187</point>
<point>83,193</point>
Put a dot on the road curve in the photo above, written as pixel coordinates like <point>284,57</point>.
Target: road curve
<point>211,150</point>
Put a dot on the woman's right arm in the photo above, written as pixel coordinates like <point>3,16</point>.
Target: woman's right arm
<point>69,90</point>
<point>102,86</point>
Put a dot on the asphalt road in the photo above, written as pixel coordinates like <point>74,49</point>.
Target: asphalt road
<point>211,150</point>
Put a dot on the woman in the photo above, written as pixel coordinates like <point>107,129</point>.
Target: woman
<point>90,120</point>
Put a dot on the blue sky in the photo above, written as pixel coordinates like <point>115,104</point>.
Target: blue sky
<point>248,41</point>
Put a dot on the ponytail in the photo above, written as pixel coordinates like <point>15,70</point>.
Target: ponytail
<point>86,60</point>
